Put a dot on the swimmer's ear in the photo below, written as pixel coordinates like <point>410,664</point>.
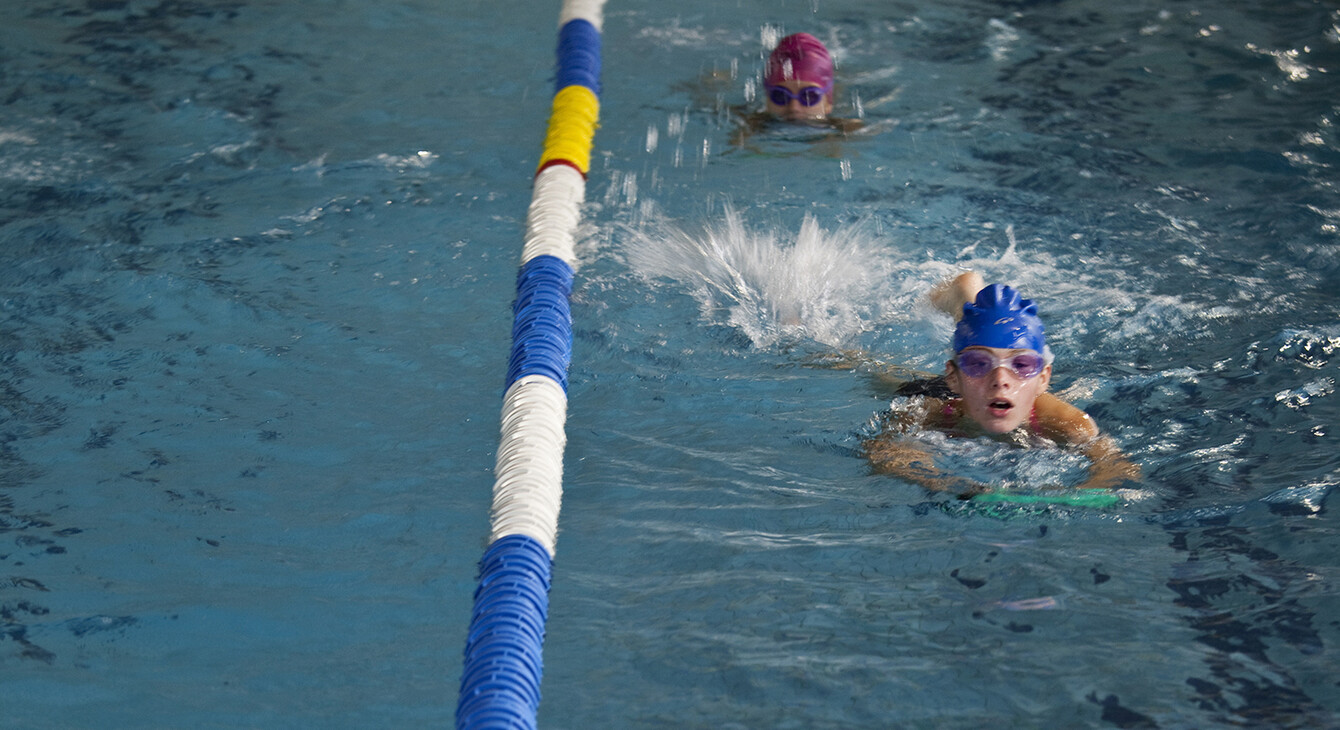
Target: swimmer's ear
<point>952,378</point>
<point>1046,376</point>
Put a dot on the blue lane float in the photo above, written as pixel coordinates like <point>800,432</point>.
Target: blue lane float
<point>500,684</point>
<point>542,321</point>
<point>578,56</point>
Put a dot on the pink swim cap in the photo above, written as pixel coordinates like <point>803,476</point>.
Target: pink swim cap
<point>803,58</point>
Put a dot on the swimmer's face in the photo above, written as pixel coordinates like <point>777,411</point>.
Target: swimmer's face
<point>794,108</point>
<point>999,401</point>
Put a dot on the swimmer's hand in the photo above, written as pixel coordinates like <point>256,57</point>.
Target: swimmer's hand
<point>974,490</point>
<point>950,295</point>
<point>1108,467</point>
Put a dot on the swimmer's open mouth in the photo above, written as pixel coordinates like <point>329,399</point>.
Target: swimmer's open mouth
<point>1000,406</point>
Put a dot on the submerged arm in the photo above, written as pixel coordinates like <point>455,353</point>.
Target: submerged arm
<point>1066,424</point>
<point>891,452</point>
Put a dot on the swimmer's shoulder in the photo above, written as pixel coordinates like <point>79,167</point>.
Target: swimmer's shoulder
<point>1062,422</point>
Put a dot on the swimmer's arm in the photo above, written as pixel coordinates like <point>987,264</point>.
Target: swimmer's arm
<point>890,454</point>
<point>886,377</point>
<point>1108,467</point>
<point>950,295</point>
<point>1066,424</point>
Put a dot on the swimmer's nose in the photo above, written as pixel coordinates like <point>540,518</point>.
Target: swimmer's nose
<point>1002,377</point>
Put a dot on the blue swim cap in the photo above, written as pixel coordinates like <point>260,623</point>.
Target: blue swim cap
<point>1001,318</point>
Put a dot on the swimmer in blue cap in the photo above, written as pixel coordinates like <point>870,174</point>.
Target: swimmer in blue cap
<point>995,384</point>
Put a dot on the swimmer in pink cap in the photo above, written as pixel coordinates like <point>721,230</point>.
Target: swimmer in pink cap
<point>798,84</point>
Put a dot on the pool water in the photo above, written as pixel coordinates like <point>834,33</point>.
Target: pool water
<point>258,262</point>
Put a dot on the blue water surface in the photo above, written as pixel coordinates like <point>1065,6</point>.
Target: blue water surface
<point>257,266</point>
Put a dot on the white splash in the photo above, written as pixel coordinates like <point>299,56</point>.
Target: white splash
<point>824,286</point>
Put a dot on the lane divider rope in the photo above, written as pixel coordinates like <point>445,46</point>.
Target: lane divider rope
<point>500,684</point>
